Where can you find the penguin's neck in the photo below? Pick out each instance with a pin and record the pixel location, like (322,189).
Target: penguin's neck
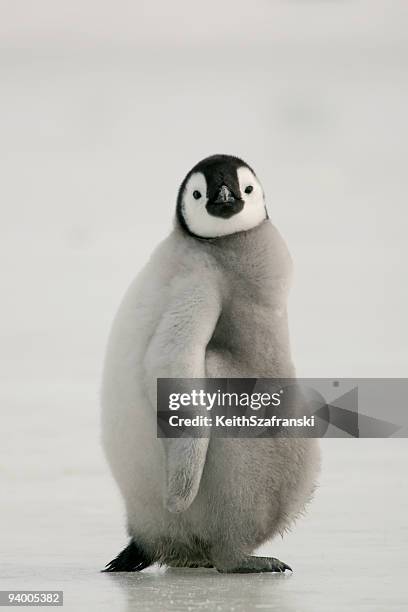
(260,253)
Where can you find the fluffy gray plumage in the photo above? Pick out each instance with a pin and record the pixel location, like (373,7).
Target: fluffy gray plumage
(204,308)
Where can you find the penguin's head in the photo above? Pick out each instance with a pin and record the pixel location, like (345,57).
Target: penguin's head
(221,195)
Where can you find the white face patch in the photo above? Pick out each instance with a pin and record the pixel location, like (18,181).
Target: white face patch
(201,223)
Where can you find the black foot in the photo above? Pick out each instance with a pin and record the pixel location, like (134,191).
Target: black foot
(131,559)
(251,565)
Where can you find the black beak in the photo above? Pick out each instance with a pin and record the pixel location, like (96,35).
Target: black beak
(224,204)
(224,196)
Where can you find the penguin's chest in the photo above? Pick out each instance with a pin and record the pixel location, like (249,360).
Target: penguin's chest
(249,338)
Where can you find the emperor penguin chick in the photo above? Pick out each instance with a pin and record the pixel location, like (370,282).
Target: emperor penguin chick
(211,302)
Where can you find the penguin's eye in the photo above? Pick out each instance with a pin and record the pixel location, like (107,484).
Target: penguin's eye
(249,189)
(196,195)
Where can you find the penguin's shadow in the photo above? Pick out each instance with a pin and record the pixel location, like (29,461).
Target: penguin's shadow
(203,589)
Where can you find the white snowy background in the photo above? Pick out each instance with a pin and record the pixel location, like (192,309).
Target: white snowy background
(104,106)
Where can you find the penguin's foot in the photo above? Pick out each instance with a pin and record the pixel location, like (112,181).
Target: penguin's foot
(252,565)
(131,559)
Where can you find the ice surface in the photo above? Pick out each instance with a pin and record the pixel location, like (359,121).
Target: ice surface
(62,521)
(102,111)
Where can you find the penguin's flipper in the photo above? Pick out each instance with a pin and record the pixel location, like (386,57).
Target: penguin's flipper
(177,350)
(131,559)
(185,458)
